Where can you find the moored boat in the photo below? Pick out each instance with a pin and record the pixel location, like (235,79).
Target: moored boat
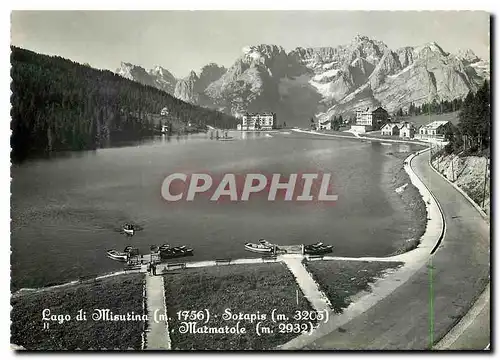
(258,248)
(317,250)
(173,252)
(117,255)
(265,243)
(164,247)
(315,245)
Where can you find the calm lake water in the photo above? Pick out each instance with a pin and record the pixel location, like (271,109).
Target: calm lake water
(66,210)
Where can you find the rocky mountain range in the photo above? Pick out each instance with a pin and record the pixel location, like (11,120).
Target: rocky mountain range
(324,82)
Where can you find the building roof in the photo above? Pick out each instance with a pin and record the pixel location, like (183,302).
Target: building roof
(435,124)
(390,126)
(259,114)
(370,109)
(405,124)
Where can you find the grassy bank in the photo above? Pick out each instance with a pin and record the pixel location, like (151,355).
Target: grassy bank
(251,289)
(412,204)
(120,294)
(341,280)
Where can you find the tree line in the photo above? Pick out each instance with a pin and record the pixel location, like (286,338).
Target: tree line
(434,107)
(337,122)
(58,104)
(472,134)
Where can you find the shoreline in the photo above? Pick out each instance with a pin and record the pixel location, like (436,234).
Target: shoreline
(362,138)
(413,261)
(405,200)
(399,249)
(425,241)
(382,287)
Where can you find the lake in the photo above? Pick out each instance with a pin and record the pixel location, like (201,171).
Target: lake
(66,210)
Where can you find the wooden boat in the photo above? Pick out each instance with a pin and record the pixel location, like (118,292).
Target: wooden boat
(128,229)
(265,243)
(173,252)
(164,247)
(317,250)
(117,255)
(258,248)
(318,244)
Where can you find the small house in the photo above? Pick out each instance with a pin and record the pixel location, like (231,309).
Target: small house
(407,130)
(390,129)
(435,129)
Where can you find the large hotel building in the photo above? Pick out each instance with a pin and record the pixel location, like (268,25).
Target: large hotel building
(256,121)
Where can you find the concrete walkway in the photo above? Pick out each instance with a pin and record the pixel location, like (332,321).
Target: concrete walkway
(307,284)
(158,337)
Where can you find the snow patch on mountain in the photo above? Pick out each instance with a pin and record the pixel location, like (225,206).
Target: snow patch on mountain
(329,65)
(409,67)
(324,81)
(327,74)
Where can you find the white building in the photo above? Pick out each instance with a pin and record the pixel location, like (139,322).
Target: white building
(390,129)
(435,129)
(364,117)
(407,130)
(256,121)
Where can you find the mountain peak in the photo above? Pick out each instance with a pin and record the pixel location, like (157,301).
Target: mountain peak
(260,50)
(127,65)
(192,75)
(161,71)
(326,80)
(467,55)
(360,37)
(159,68)
(432,47)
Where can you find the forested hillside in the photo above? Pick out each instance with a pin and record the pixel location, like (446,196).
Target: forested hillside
(58,104)
(472,135)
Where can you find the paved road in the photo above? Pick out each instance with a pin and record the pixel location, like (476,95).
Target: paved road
(421,311)
(473,329)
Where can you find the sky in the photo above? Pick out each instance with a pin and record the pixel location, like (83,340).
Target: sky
(181,41)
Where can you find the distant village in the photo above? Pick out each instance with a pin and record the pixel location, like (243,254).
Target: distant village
(378,119)
(366,120)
